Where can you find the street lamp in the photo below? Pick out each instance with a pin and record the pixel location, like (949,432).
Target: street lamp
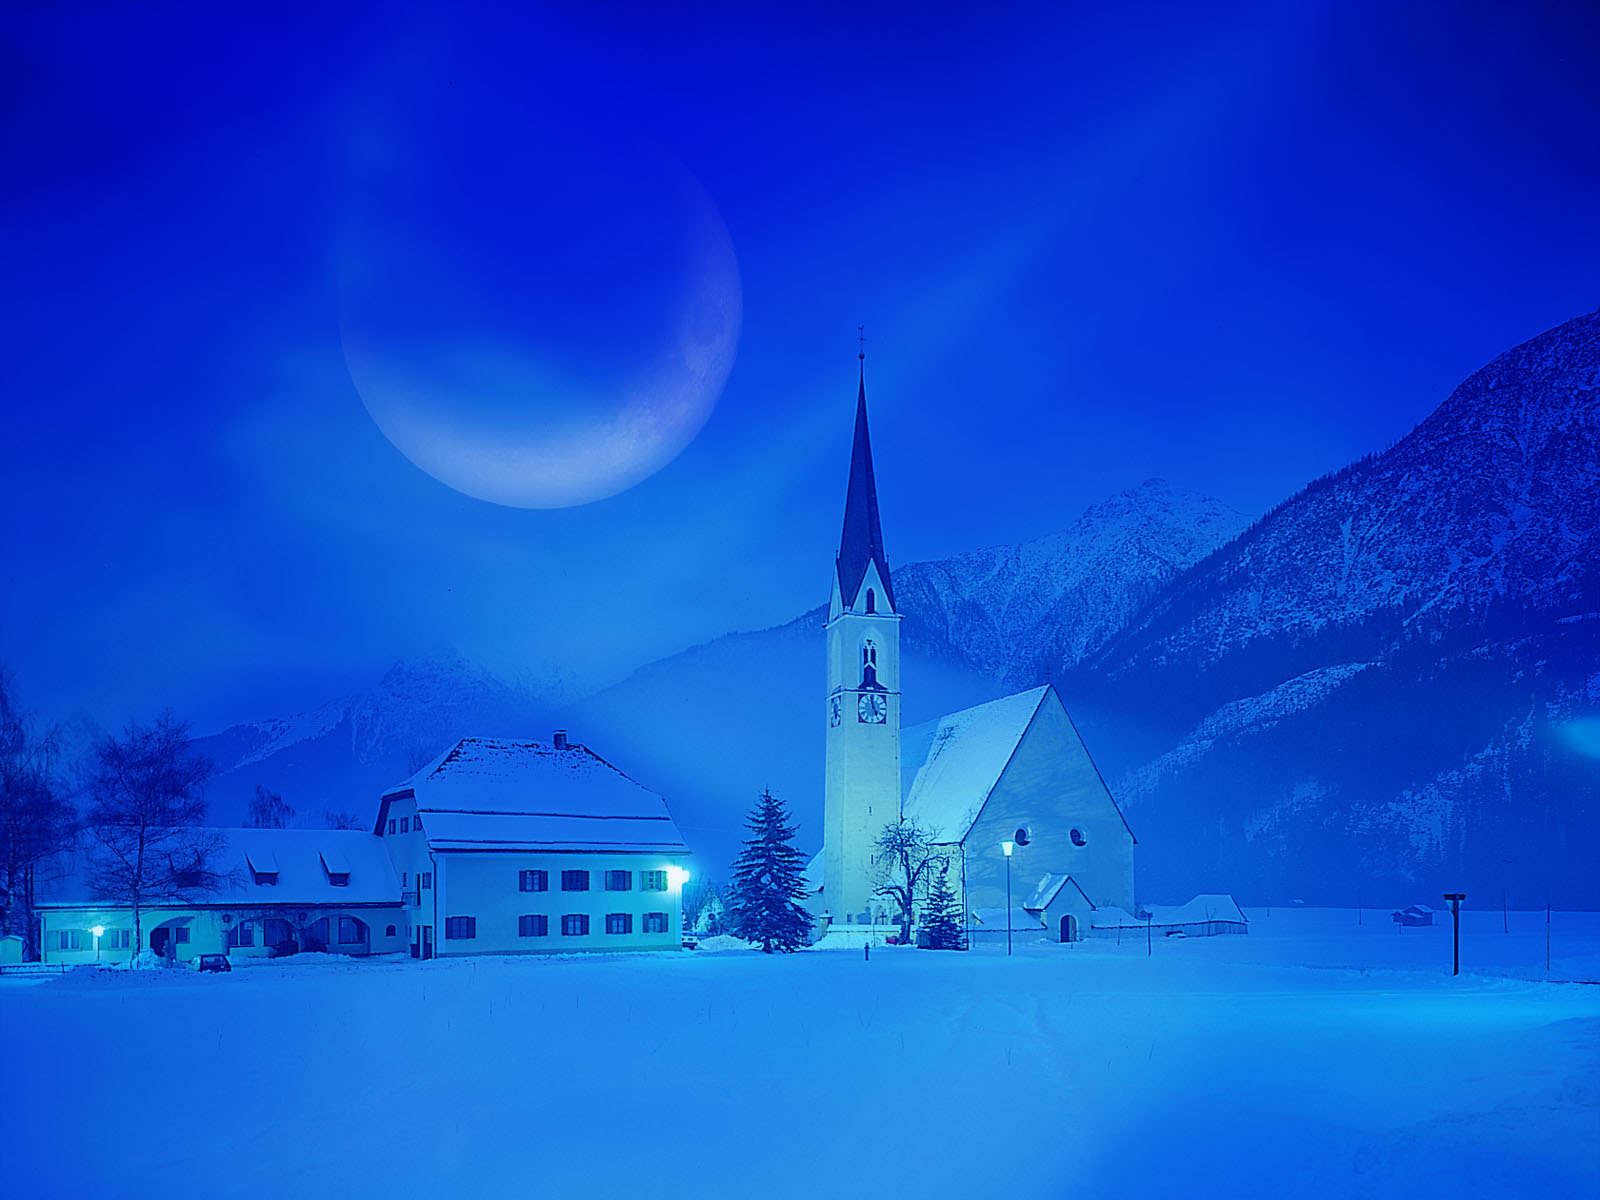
(677,876)
(99,932)
(1006,848)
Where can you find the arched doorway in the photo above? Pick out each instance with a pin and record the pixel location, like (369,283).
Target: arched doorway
(170,938)
(1069,928)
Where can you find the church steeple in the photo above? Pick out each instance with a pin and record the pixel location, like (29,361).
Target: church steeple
(861,542)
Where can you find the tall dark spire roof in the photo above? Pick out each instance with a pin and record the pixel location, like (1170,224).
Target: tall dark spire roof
(861,542)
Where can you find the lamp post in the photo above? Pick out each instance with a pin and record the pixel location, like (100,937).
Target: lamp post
(1006,848)
(99,932)
(1455,899)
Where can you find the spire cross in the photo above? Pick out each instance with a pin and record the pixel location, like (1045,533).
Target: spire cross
(861,342)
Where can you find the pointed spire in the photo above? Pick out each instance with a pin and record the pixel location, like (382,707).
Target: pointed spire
(861,541)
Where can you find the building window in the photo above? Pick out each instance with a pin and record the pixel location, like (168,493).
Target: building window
(69,939)
(872,601)
(619,881)
(655,922)
(533,925)
(242,934)
(405,824)
(456,928)
(1079,838)
(575,925)
(653,881)
(869,664)
(351,931)
(533,881)
(266,878)
(391,824)
(619,922)
(388,931)
(574,881)
(402,880)
(180,935)
(426,880)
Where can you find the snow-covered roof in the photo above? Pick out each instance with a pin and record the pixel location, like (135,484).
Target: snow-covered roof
(1214,906)
(958,759)
(510,794)
(297,857)
(995,918)
(1049,888)
(813,874)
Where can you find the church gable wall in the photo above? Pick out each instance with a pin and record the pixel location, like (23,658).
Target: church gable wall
(1052,788)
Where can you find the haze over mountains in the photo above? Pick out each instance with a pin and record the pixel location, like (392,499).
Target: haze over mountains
(1381,687)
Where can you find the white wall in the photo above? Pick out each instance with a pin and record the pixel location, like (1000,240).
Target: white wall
(484,885)
(208,929)
(1051,788)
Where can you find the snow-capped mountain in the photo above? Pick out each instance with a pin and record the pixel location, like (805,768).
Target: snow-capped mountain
(1012,612)
(339,755)
(1374,683)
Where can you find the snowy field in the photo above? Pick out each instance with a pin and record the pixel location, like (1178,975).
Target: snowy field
(1313,1057)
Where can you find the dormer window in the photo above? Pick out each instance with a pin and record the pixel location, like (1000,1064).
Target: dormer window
(336,867)
(263,867)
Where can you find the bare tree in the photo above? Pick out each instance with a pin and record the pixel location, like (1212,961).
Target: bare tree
(906,859)
(36,823)
(146,811)
(268,811)
(342,819)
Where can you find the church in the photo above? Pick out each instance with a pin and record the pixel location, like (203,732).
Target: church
(1006,790)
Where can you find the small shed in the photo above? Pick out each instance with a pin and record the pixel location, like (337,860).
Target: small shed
(1062,907)
(1417,914)
(11,947)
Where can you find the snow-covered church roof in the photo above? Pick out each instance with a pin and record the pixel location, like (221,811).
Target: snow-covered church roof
(510,794)
(953,763)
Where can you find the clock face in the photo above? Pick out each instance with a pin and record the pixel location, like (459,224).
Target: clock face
(872,708)
(834,707)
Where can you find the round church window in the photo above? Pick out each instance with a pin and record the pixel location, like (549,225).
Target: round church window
(1079,838)
(1022,836)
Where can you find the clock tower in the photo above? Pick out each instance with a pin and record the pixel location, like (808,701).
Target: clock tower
(862,708)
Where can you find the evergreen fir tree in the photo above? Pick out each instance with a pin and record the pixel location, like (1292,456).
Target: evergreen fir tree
(769,881)
(941,922)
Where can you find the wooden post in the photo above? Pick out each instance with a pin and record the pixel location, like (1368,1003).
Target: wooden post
(1455,899)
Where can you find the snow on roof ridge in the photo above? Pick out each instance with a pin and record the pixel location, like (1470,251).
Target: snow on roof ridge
(966,753)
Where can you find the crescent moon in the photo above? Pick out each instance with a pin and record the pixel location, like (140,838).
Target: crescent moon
(575,446)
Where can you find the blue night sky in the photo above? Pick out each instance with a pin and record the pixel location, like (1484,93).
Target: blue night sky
(1090,245)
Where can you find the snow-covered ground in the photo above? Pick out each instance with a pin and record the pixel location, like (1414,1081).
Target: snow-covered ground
(1313,1057)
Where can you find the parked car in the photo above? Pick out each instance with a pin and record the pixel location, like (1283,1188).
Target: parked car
(213,962)
(690,942)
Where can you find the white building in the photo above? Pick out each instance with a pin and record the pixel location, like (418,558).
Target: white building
(506,847)
(312,889)
(1010,771)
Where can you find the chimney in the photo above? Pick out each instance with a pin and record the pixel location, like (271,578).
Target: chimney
(561,739)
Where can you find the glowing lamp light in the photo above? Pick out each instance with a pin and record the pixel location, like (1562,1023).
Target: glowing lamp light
(1007,848)
(677,876)
(98,931)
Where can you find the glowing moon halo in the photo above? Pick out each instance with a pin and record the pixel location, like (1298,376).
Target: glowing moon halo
(512,406)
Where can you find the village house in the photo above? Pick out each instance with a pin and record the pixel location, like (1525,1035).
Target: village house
(278,890)
(506,846)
